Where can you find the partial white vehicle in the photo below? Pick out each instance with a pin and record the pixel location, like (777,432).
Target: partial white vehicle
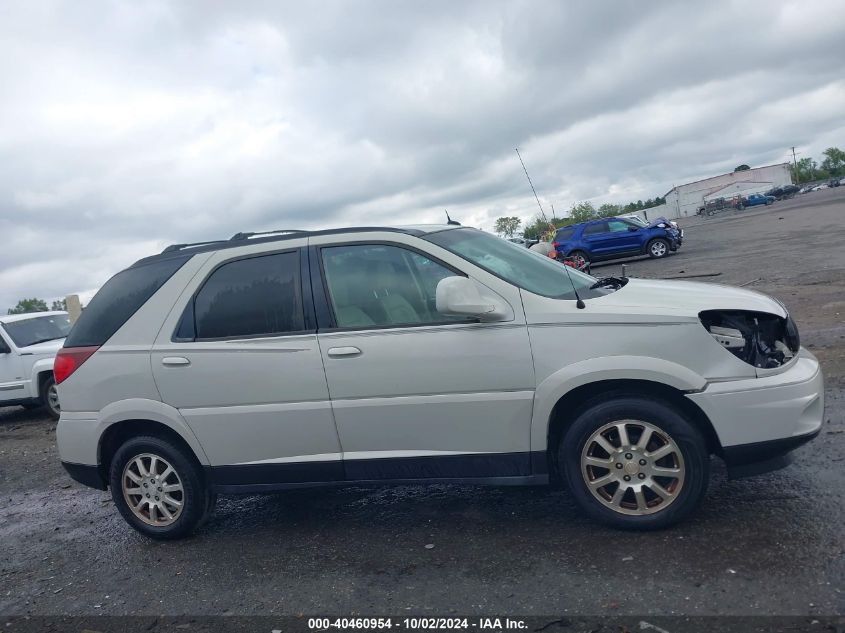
(421,354)
(28,345)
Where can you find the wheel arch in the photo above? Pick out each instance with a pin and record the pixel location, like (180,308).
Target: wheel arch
(118,433)
(570,404)
(129,418)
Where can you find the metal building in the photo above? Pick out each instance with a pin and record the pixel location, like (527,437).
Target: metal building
(687,200)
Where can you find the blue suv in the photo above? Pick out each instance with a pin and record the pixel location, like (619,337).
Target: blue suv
(608,238)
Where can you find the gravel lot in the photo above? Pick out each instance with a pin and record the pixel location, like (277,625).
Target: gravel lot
(772,544)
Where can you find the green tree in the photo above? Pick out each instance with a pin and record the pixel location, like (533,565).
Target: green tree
(582,212)
(803,170)
(742,167)
(608,210)
(59,304)
(834,161)
(29,305)
(507,225)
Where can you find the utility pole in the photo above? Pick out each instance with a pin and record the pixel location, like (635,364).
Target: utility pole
(795,162)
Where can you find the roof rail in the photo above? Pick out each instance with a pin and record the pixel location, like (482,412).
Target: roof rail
(179,247)
(246,236)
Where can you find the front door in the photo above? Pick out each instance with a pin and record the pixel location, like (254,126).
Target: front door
(244,369)
(417,394)
(12,380)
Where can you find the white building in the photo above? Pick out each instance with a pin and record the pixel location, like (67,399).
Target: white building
(686,200)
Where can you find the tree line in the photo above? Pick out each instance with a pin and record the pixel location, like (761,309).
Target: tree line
(807,169)
(25,306)
(509,226)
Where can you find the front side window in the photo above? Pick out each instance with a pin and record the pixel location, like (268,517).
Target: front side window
(378,285)
(38,329)
(250,297)
(618,226)
(519,266)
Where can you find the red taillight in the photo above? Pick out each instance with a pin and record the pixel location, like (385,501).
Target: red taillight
(555,244)
(69,359)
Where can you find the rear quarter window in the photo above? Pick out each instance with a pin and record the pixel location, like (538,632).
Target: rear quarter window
(119,299)
(564,234)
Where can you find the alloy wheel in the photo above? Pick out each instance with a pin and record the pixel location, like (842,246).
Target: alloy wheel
(633,467)
(658,249)
(153,490)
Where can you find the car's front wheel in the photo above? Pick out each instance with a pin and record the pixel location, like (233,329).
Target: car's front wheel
(158,488)
(658,248)
(634,463)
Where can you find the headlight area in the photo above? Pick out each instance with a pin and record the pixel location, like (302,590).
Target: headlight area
(758,338)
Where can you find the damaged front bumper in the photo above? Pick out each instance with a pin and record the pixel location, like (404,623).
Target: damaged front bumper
(760,420)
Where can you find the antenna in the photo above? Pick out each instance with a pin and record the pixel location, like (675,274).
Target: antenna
(579,303)
(450,220)
(542,213)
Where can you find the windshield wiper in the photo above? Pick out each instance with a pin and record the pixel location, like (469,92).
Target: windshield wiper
(616,282)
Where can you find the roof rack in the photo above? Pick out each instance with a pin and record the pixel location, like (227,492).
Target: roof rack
(246,236)
(179,247)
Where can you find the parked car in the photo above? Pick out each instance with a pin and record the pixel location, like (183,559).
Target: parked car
(28,345)
(758,198)
(835,182)
(421,354)
(712,207)
(633,217)
(608,238)
(784,192)
(806,189)
(823,185)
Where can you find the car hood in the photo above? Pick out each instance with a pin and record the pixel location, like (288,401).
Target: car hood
(47,347)
(656,221)
(690,297)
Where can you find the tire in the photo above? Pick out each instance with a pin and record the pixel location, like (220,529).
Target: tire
(195,500)
(581,258)
(657,248)
(668,499)
(50,398)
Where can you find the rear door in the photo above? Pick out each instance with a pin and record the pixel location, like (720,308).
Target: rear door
(597,238)
(242,365)
(417,394)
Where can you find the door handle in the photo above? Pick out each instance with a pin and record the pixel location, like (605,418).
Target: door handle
(175,361)
(337,352)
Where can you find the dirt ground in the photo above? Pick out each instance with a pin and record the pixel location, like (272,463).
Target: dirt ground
(771,544)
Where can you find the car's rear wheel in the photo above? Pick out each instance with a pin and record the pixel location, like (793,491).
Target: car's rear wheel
(159,488)
(579,258)
(658,248)
(634,463)
(50,398)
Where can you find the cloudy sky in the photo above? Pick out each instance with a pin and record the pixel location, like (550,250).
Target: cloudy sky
(126,126)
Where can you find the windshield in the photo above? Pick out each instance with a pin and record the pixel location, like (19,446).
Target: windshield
(38,329)
(516,264)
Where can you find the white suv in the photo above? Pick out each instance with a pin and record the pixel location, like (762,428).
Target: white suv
(420,354)
(28,345)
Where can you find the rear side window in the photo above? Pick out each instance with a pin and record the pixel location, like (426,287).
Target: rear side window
(257,296)
(598,227)
(119,299)
(564,234)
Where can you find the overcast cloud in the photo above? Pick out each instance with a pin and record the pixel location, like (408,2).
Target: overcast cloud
(125,126)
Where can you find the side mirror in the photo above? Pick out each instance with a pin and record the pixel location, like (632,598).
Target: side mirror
(460,296)
(633,229)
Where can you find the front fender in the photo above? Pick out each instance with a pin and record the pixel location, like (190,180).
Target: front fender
(561,382)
